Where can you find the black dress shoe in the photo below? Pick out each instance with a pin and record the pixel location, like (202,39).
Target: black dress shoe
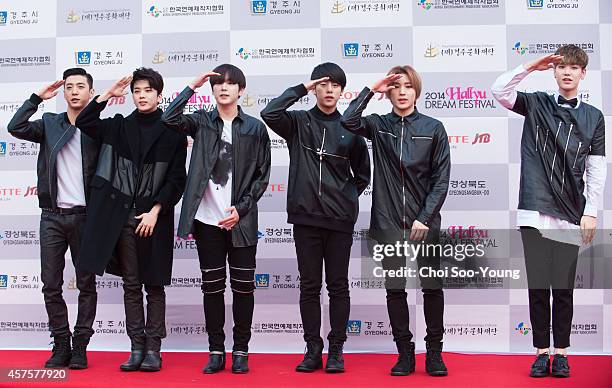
(133,363)
(216,363)
(335,360)
(313,358)
(152,362)
(560,366)
(405,359)
(79,353)
(541,366)
(240,362)
(434,364)
(61,353)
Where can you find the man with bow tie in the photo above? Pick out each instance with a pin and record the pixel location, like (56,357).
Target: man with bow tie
(563,137)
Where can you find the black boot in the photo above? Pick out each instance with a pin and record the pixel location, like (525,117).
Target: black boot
(152,362)
(136,356)
(335,360)
(79,353)
(216,363)
(434,365)
(61,353)
(313,358)
(405,360)
(240,362)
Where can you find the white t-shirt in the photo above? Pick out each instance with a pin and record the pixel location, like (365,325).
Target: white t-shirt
(69,167)
(218,192)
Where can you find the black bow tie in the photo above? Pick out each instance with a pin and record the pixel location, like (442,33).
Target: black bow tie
(562,101)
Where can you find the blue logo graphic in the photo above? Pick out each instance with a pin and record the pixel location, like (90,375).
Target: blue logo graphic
(83,58)
(262,280)
(350,50)
(259,7)
(3,281)
(353,327)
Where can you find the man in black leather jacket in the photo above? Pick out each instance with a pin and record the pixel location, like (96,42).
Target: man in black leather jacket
(411,176)
(228,173)
(329,168)
(66,163)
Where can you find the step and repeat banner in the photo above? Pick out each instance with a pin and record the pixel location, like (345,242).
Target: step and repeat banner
(458,46)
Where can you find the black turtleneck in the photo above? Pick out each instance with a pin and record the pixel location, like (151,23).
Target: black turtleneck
(319,114)
(146,124)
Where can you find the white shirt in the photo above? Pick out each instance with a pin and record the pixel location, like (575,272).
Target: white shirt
(218,192)
(69,167)
(550,227)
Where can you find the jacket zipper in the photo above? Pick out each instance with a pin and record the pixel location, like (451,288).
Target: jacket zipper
(537,135)
(403,188)
(49,166)
(552,168)
(321,160)
(422,137)
(569,134)
(577,152)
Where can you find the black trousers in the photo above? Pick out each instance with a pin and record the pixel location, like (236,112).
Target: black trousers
(550,264)
(397,300)
(143,335)
(57,233)
(314,247)
(214,248)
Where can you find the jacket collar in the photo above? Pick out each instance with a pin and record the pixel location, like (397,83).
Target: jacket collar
(411,117)
(214,114)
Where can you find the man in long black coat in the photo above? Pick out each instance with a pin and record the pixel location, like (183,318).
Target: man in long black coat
(140,177)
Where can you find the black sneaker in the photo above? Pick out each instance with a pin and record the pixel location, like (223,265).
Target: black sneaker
(313,358)
(541,366)
(434,364)
(560,366)
(61,353)
(335,360)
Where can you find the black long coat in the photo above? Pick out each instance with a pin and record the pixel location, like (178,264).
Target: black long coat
(124,180)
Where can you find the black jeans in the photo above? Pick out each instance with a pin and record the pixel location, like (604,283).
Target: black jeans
(315,246)
(550,264)
(397,303)
(214,248)
(143,335)
(57,233)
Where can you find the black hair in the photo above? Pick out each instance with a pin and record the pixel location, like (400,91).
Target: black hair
(230,73)
(331,70)
(78,71)
(156,81)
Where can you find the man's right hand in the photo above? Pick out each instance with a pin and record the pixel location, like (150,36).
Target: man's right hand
(312,84)
(543,63)
(116,90)
(383,85)
(50,90)
(201,80)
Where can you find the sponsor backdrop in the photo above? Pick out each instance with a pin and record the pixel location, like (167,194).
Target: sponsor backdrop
(459,47)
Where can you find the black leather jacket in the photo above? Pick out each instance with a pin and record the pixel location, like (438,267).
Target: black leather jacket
(53,131)
(251,164)
(411,167)
(329,167)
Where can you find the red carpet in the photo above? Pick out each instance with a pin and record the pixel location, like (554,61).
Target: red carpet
(363,370)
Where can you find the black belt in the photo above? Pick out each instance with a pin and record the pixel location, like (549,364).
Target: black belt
(67,211)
